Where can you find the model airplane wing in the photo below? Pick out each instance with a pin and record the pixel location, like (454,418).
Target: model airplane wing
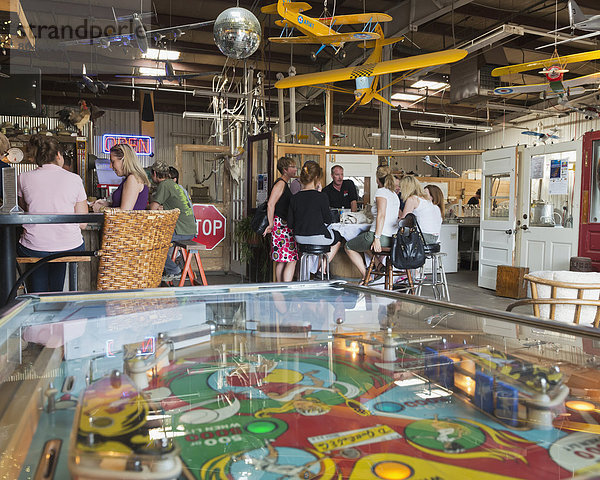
(533,134)
(329,39)
(356,18)
(518,89)
(548,62)
(374,69)
(576,82)
(580,37)
(178,28)
(294,6)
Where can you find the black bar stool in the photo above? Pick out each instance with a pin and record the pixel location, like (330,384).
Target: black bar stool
(307,253)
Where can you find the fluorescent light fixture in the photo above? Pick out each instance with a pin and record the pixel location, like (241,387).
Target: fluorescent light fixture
(409,97)
(415,138)
(430,85)
(225,116)
(151,71)
(451,126)
(156,54)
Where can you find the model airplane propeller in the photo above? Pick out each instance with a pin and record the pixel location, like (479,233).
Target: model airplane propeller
(553,69)
(367,74)
(439,164)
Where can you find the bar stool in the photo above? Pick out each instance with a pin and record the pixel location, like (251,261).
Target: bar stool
(438,274)
(308,252)
(381,265)
(189,249)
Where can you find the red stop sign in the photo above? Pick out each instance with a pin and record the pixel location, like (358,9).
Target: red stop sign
(211,225)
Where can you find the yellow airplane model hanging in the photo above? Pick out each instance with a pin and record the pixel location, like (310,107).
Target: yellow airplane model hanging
(321,30)
(367,74)
(554,70)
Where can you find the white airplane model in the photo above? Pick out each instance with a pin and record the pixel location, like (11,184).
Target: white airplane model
(139,36)
(578,21)
(439,164)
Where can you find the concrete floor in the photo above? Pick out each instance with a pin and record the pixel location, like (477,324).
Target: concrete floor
(462,285)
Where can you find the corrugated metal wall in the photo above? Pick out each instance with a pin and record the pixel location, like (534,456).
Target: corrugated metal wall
(172,129)
(572,127)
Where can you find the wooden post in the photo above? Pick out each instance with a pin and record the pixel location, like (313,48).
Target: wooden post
(328,117)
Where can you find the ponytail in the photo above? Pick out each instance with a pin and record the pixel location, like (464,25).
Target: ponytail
(385,177)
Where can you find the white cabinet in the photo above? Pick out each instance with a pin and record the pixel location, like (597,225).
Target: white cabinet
(449,246)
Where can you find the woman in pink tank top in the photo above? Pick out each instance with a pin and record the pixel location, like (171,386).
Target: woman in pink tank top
(50,189)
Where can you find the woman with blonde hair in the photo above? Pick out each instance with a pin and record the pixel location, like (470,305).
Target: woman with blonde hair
(385,211)
(132,193)
(417,202)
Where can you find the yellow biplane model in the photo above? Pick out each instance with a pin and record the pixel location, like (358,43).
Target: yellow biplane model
(321,30)
(553,69)
(367,74)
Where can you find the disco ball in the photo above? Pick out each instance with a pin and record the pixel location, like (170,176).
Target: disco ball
(237,32)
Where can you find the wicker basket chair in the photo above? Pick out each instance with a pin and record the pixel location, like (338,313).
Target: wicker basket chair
(134,248)
(564,301)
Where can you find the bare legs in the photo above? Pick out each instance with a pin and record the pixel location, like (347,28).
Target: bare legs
(284,271)
(358,261)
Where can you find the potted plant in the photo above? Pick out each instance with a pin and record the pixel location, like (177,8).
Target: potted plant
(254,249)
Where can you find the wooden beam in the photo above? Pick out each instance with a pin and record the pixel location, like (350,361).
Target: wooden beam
(14,6)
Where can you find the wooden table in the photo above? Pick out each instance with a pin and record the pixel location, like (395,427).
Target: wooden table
(9,222)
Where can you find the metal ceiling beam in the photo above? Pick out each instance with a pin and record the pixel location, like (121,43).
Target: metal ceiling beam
(420,12)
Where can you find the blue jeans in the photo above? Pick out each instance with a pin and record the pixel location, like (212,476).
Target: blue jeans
(50,277)
(171,268)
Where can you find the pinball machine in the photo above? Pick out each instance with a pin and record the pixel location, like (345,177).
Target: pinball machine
(317,380)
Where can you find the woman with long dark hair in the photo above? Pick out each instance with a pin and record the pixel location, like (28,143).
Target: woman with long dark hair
(50,189)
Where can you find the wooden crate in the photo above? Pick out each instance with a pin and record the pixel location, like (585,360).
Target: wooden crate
(510,282)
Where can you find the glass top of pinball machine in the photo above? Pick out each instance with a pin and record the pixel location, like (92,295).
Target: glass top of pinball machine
(305,380)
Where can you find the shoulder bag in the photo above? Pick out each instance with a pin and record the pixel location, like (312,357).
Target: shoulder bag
(260,221)
(408,245)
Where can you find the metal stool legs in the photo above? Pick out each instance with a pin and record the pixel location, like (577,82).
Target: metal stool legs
(438,277)
(305,263)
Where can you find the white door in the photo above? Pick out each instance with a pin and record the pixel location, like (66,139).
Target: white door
(549,197)
(498,213)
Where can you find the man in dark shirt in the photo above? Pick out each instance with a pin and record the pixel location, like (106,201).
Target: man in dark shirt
(475,200)
(341,193)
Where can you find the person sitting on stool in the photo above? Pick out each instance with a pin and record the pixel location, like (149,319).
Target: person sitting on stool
(169,196)
(309,216)
(341,193)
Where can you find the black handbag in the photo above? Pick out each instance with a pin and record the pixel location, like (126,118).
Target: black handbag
(260,221)
(408,245)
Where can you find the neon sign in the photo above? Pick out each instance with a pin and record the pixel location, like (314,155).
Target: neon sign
(142,144)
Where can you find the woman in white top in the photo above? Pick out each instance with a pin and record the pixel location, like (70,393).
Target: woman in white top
(385,225)
(417,202)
